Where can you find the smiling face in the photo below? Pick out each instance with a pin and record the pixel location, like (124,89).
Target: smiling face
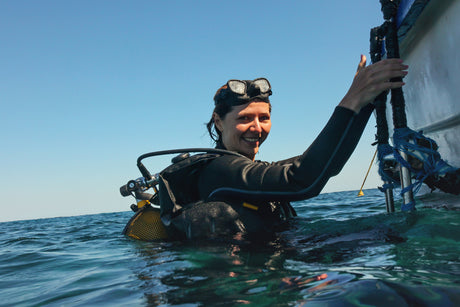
(245,127)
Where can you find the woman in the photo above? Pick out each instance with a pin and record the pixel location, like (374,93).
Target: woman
(213,195)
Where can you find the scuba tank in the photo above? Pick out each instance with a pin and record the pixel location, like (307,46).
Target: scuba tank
(146,224)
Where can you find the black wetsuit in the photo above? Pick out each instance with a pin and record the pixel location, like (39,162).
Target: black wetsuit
(226,213)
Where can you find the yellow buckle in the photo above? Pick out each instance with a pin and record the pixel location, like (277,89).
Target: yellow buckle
(249,206)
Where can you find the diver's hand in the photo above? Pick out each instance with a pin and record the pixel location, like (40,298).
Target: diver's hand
(370,81)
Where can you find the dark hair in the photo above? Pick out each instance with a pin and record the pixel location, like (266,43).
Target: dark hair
(222,109)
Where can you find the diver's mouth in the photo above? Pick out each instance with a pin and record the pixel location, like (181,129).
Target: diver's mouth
(252,140)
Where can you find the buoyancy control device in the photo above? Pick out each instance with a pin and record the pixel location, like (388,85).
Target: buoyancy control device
(171,220)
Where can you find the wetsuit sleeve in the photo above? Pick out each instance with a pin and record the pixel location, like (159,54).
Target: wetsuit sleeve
(323,159)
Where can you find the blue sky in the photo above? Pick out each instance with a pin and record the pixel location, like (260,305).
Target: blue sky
(88,86)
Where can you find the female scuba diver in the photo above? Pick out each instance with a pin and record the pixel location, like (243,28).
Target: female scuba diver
(230,193)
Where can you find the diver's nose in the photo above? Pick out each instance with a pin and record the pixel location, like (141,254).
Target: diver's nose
(256,126)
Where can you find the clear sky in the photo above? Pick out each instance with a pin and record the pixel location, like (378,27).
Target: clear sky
(88,86)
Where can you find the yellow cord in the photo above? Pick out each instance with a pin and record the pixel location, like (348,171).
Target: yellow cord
(360,193)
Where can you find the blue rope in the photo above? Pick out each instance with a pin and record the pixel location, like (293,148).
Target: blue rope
(408,207)
(408,141)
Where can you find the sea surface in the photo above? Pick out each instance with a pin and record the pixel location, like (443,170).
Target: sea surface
(365,257)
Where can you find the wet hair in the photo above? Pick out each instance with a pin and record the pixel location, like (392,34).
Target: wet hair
(222,109)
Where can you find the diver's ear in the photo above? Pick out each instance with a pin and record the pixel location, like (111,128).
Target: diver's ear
(217,121)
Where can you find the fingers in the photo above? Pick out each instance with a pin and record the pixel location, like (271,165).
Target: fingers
(381,73)
(362,64)
(389,66)
(388,76)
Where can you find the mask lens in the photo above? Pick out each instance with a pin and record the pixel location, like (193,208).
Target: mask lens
(262,84)
(237,86)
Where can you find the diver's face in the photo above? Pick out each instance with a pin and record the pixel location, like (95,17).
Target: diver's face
(245,127)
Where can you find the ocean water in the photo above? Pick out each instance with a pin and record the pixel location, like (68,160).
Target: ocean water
(371,258)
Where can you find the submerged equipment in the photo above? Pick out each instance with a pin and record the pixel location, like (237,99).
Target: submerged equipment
(238,92)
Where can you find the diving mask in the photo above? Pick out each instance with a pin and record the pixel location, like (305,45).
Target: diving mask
(238,92)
